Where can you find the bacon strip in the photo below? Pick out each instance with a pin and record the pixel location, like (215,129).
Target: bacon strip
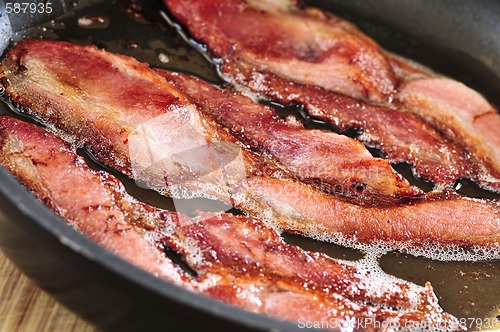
(95,96)
(237,259)
(448,219)
(85,198)
(184,149)
(302,45)
(458,111)
(402,137)
(281,52)
(311,155)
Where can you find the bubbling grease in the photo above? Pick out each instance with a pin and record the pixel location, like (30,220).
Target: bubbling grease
(435,251)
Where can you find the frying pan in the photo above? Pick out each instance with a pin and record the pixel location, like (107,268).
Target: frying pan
(458,38)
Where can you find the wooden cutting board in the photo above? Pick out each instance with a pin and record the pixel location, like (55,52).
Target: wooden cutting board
(25,308)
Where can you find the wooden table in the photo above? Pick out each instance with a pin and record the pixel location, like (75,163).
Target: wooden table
(24,307)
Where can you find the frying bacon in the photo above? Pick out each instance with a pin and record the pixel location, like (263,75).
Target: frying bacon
(311,155)
(402,137)
(297,48)
(448,219)
(185,149)
(459,112)
(85,198)
(306,45)
(420,223)
(238,260)
(95,96)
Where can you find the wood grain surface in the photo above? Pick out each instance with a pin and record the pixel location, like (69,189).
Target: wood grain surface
(24,307)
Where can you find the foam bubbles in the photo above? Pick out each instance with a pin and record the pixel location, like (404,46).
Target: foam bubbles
(435,251)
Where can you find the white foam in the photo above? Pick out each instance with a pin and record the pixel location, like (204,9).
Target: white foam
(435,251)
(210,280)
(487,180)
(378,282)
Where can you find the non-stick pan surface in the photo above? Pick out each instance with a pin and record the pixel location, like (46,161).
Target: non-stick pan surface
(114,295)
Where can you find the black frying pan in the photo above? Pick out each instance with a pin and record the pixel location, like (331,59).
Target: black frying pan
(458,38)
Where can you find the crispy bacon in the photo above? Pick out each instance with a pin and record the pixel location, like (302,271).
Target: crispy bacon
(301,44)
(460,113)
(96,96)
(236,259)
(182,147)
(311,155)
(296,48)
(85,198)
(270,275)
(448,219)
(402,137)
